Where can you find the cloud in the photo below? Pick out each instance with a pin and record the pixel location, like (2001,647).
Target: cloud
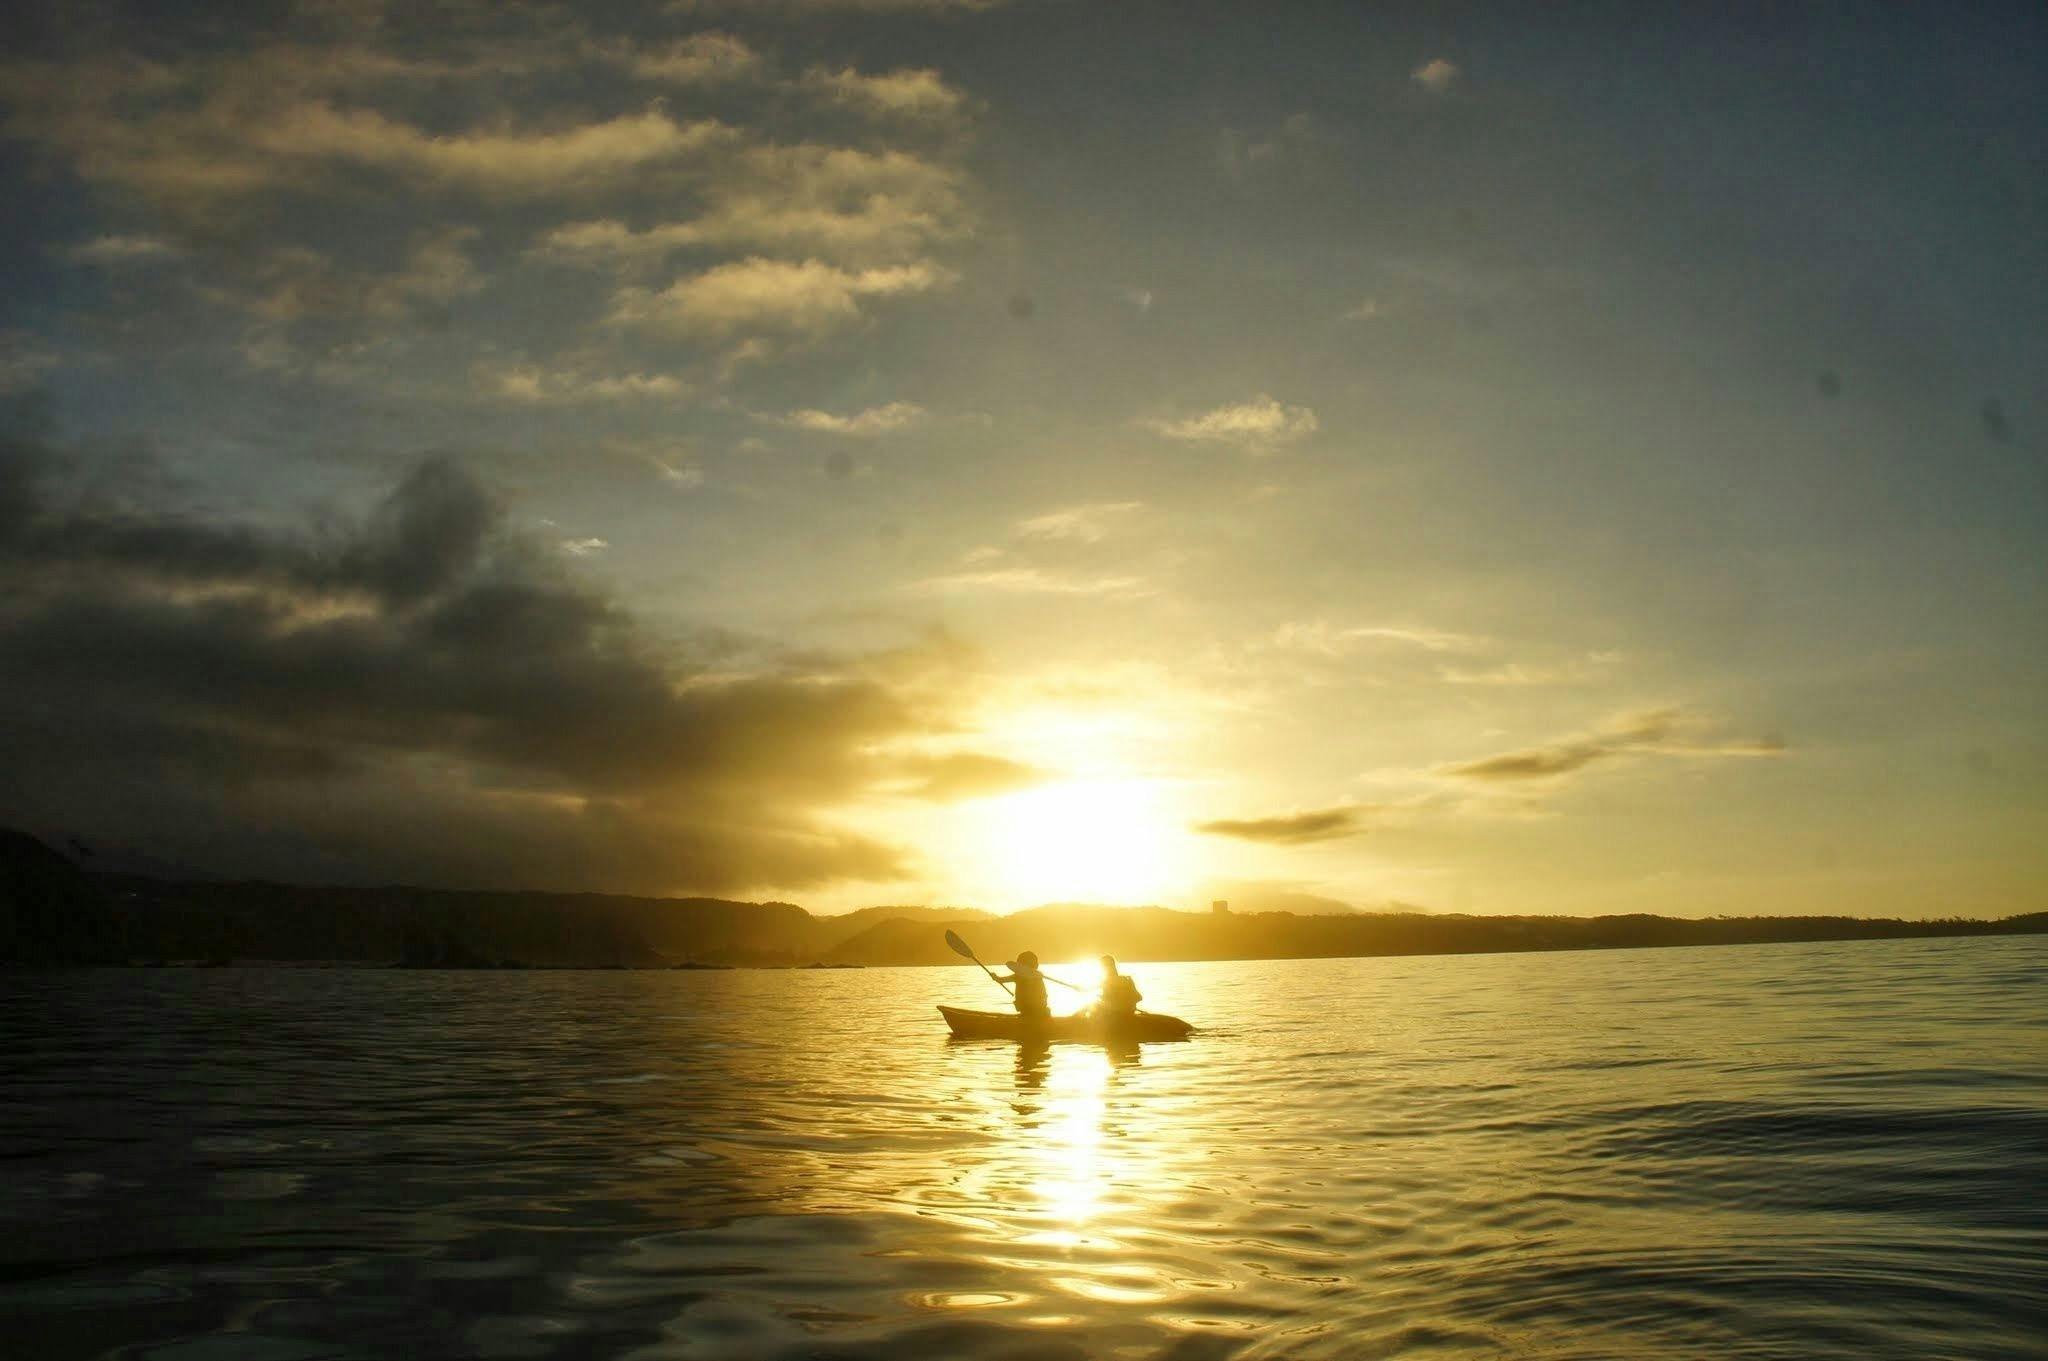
(967,775)
(418,696)
(916,94)
(583,548)
(1518,674)
(1435,75)
(799,202)
(849,206)
(876,420)
(1319,638)
(1291,829)
(1325,639)
(809,298)
(437,270)
(1037,581)
(25,361)
(505,162)
(1369,310)
(189,136)
(291,284)
(534,384)
(190,131)
(122,250)
(423,536)
(1666,732)
(1259,426)
(605,240)
(1537,763)
(1298,140)
(1087,523)
(700,59)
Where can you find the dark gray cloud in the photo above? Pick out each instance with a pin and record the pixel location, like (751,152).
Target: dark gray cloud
(430,530)
(423,696)
(1290,829)
(427,533)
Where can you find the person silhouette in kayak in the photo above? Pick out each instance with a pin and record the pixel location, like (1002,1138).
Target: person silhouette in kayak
(1120,996)
(1030,990)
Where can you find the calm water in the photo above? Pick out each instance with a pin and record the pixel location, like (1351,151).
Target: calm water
(1798,1151)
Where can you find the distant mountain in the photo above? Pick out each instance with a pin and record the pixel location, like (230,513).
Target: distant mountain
(52,913)
(102,858)
(1156,933)
(829,932)
(897,941)
(1057,931)
(1254,897)
(170,920)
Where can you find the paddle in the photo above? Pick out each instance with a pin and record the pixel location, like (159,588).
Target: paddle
(959,947)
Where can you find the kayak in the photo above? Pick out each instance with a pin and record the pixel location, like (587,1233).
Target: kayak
(1081,1027)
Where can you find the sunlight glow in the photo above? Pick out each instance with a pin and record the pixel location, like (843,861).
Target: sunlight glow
(1107,841)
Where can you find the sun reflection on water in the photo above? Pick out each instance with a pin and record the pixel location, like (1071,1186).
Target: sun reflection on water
(1058,1164)
(1072,1166)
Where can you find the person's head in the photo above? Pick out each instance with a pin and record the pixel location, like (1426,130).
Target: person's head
(1108,967)
(1026,963)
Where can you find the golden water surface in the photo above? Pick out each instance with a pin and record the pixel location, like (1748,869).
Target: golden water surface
(1815,1150)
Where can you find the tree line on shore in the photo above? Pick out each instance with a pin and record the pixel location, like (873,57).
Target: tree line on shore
(53,913)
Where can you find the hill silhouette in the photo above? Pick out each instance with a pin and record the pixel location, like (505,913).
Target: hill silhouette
(830,933)
(53,913)
(1155,933)
(50,912)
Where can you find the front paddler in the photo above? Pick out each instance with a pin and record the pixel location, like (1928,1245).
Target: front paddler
(1029,992)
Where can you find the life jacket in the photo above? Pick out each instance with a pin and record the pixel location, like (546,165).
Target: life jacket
(1120,994)
(1031,996)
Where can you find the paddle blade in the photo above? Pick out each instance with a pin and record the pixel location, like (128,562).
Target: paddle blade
(959,946)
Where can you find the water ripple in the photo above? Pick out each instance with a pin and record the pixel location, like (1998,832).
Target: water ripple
(1742,1152)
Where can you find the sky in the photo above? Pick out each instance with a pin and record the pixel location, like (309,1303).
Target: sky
(1475,458)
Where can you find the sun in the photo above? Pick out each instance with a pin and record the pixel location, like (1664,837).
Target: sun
(1098,841)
